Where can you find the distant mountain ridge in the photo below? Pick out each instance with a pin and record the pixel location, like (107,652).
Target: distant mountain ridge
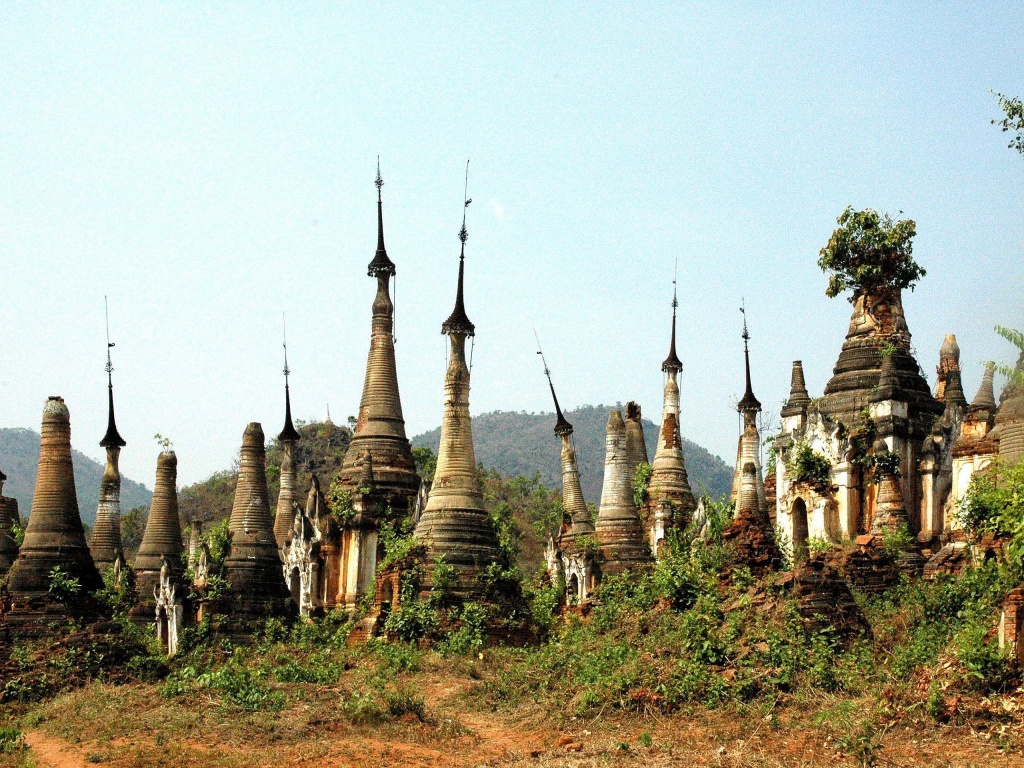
(19,460)
(524,443)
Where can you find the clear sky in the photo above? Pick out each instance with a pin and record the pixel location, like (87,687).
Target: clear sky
(210,166)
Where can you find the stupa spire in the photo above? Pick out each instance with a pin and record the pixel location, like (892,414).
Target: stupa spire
(573,503)
(111,438)
(669,487)
(458,321)
(749,402)
(381,264)
(749,448)
(454,523)
(562,425)
(672,362)
(105,543)
(380,425)
(288,438)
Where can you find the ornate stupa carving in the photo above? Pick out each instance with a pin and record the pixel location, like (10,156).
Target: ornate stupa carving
(380,426)
(253,564)
(287,496)
(748,451)
(454,523)
(162,545)
(878,329)
(570,552)
(620,533)
(9,518)
(54,535)
(636,448)
(105,543)
(671,498)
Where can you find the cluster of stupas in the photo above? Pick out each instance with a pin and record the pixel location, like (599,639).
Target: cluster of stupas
(299,559)
(895,455)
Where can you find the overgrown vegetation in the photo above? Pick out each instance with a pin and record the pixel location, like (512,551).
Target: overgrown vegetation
(870,253)
(806,466)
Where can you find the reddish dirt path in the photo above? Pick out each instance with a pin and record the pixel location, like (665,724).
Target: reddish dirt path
(54,753)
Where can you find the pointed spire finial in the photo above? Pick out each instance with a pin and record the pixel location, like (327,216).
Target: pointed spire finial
(458,321)
(381,264)
(562,425)
(112,439)
(463,234)
(289,432)
(749,402)
(672,362)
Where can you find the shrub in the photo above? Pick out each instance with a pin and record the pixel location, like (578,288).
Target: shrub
(806,466)
(63,586)
(641,480)
(11,740)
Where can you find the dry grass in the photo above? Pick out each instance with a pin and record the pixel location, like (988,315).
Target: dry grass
(132,725)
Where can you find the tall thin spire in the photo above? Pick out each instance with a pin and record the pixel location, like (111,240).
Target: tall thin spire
(289,432)
(749,402)
(381,264)
(458,321)
(454,523)
(562,425)
(672,362)
(289,436)
(112,438)
(380,425)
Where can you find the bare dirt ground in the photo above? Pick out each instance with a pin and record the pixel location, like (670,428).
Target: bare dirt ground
(128,726)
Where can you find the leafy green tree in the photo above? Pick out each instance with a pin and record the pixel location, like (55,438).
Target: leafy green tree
(870,253)
(1013,122)
(1015,337)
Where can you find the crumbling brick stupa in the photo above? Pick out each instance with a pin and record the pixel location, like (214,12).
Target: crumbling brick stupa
(9,518)
(252,567)
(54,539)
(622,543)
(572,551)
(158,565)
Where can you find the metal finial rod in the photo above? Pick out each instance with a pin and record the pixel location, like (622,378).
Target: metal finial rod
(284,343)
(378,181)
(746,333)
(106,315)
(463,234)
(541,353)
(675,279)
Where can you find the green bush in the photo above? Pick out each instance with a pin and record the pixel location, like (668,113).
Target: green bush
(63,586)
(806,466)
(11,740)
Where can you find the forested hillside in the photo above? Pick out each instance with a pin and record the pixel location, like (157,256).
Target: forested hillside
(19,460)
(523,443)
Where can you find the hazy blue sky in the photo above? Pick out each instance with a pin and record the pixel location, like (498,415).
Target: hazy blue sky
(210,167)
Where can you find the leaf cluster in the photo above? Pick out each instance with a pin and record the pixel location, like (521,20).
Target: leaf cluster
(870,253)
(1013,122)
